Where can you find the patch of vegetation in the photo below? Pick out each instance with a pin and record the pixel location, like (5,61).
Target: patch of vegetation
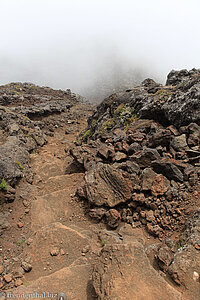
(85,135)
(161,96)
(94,123)
(20,166)
(119,110)
(103,243)
(33,151)
(125,115)
(179,245)
(109,124)
(3,185)
(20,242)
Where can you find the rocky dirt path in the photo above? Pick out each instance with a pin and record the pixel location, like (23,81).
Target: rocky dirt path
(54,247)
(60,238)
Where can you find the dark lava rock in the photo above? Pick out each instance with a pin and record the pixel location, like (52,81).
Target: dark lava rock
(167,168)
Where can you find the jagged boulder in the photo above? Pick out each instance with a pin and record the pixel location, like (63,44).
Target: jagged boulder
(106,185)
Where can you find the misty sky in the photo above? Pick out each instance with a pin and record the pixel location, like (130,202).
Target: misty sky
(71,43)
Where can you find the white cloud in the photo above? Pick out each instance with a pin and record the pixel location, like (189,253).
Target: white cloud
(69,43)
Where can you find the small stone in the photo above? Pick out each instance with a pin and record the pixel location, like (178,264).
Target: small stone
(196,276)
(29,241)
(18,282)
(197,246)
(26,266)
(20,224)
(1,269)
(18,272)
(25,203)
(54,252)
(7,278)
(86,249)
(62,252)
(113,218)
(150,216)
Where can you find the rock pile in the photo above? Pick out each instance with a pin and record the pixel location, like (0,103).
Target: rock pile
(141,163)
(141,156)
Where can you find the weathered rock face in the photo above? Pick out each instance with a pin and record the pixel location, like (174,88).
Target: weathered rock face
(105,185)
(124,272)
(186,261)
(22,130)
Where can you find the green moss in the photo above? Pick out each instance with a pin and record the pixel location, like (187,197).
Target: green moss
(3,185)
(20,166)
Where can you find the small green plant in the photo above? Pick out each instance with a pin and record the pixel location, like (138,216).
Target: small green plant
(103,242)
(109,124)
(182,84)
(179,245)
(125,115)
(3,185)
(161,96)
(94,123)
(20,242)
(118,111)
(20,166)
(85,135)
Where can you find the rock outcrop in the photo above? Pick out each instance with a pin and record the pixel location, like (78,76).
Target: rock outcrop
(141,156)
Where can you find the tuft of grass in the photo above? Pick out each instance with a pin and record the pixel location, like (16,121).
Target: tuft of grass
(109,124)
(3,185)
(85,135)
(161,96)
(20,166)
(125,115)
(119,110)
(94,123)
(20,242)
(103,242)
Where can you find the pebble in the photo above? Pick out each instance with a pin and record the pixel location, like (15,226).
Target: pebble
(20,224)
(7,278)
(26,266)
(18,282)
(195,276)
(1,269)
(29,241)
(62,252)
(54,252)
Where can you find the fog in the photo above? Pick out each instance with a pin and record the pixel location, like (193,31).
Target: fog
(91,46)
